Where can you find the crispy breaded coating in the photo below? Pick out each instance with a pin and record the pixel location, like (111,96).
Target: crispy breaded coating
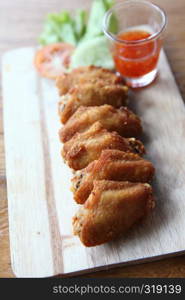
(111,210)
(90,95)
(112,165)
(89,86)
(83,75)
(122,120)
(85,147)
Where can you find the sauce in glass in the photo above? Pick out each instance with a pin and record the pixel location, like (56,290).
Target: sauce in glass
(136,60)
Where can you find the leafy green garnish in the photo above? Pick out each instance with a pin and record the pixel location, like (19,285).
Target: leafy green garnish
(63,28)
(80,24)
(94,26)
(79,30)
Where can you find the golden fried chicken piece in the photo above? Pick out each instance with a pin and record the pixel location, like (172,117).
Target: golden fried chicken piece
(111,165)
(85,147)
(83,75)
(89,86)
(122,120)
(89,95)
(111,210)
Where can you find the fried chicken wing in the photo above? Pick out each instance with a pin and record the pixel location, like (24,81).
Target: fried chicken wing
(83,75)
(122,120)
(112,165)
(89,95)
(85,147)
(111,210)
(89,86)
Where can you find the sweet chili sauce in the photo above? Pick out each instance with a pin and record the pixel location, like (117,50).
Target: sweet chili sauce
(135,60)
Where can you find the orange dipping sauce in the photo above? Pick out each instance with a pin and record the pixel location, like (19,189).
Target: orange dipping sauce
(136,60)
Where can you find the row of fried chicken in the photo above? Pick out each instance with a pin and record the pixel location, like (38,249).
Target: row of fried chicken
(111,178)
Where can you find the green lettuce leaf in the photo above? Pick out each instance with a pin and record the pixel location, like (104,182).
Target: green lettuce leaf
(94,25)
(83,32)
(62,28)
(80,21)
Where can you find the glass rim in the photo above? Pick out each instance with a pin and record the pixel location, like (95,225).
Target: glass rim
(151,37)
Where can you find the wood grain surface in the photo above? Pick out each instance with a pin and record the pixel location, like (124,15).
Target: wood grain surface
(20,25)
(40,203)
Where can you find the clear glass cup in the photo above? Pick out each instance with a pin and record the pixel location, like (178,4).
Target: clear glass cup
(135,29)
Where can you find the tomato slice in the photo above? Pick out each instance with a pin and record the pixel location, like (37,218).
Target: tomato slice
(54,59)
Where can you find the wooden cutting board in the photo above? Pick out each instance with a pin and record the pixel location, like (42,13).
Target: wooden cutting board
(40,202)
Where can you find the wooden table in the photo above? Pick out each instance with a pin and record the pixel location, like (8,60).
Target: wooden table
(20,25)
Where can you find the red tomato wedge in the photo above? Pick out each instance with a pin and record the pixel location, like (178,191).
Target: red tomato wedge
(53,60)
